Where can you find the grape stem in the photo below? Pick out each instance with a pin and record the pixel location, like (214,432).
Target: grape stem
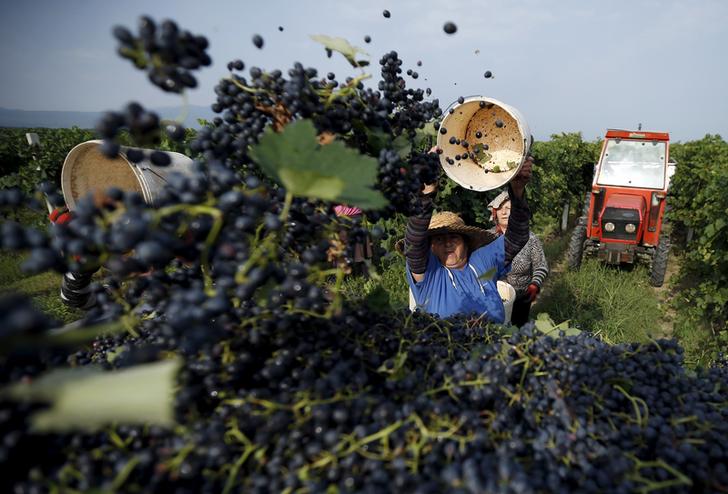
(209,240)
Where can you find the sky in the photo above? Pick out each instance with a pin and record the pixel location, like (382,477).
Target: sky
(567,65)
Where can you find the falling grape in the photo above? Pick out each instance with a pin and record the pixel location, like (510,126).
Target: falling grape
(450,28)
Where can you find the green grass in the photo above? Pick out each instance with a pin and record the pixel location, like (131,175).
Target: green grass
(43,288)
(554,247)
(385,288)
(10,271)
(700,345)
(616,304)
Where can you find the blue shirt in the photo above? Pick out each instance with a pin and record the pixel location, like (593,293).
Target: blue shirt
(447,292)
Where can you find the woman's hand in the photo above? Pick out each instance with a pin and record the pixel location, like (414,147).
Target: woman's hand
(518,184)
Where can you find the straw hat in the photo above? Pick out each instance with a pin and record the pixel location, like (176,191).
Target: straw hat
(448,222)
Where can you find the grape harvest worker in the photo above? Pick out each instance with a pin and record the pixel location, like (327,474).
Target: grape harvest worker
(448,261)
(529,268)
(362,250)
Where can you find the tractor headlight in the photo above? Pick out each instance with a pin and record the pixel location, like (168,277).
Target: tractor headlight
(630,228)
(609,226)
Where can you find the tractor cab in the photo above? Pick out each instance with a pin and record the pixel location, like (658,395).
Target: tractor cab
(626,204)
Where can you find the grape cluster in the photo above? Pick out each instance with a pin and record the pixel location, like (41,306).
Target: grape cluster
(168,54)
(413,111)
(349,109)
(145,129)
(401,181)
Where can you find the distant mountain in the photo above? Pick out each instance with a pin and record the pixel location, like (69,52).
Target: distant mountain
(87,120)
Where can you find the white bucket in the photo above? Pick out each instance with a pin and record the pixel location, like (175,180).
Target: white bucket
(508,144)
(508,296)
(87,170)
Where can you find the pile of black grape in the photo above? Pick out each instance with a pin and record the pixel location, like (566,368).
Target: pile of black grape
(365,402)
(285,386)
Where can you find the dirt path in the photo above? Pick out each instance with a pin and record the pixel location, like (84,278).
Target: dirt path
(557,266)
(664,295)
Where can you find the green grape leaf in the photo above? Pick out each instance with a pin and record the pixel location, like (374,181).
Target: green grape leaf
(90,398)
(342,46)
(425,137)
(546,325)
(481,155)
(488,275)
(333,172)
(70,335)
(403,146)
(376,139)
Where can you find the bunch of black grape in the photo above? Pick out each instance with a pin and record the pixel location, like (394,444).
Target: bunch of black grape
(145,128)
(168,54)
(268,99)
(373,402)
(413,111)
(349,110)
(401,181)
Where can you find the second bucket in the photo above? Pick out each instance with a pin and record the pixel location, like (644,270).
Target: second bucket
(87,170)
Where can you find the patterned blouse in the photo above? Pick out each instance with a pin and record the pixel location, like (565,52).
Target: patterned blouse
(529,265)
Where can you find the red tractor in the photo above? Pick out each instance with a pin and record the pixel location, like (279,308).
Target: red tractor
(625,208)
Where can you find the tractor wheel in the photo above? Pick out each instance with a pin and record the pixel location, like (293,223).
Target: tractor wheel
(576,245)
(659,261)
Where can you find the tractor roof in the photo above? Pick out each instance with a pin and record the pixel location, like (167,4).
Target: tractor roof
(637,134)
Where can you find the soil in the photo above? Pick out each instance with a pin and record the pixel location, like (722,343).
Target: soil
(664,294)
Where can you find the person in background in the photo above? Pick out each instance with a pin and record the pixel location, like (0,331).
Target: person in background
(449,270)
(529,268)
(75,286)
(362,250)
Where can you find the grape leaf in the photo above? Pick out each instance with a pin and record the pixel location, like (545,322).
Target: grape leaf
(546,325)
(72,334)
(333,172)
(425,137)
(488,275)
(376,139)
(403,146)
(90,398)
(342,46)
(481,156)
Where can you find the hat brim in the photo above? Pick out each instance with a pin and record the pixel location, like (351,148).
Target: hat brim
(475,237)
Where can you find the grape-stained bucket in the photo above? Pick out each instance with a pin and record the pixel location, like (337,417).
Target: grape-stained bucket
(87,170)
(498,141)
(508,297)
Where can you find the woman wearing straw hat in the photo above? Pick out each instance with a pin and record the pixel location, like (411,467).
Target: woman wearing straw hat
(450,269)
(529,268)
